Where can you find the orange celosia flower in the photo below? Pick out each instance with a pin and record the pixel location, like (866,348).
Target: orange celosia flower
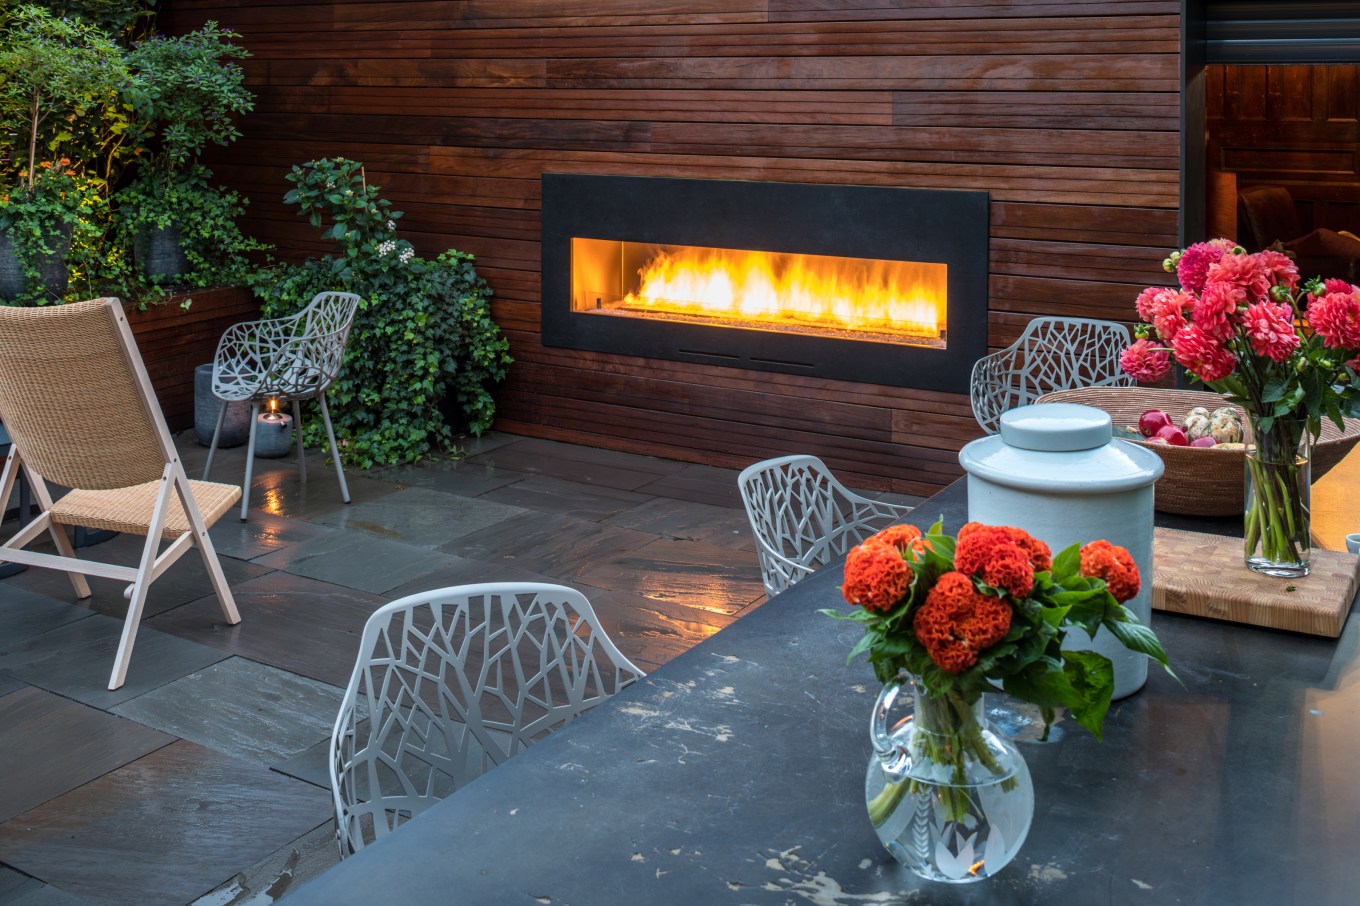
(876,576)
(992,552)
(903,537)
(1040,556)
(957,622)
(1103,560)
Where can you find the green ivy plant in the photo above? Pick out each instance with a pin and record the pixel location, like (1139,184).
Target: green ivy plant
(423,330)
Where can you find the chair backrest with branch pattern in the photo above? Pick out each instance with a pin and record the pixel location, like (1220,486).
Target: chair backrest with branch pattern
(452,682)
(1051,354)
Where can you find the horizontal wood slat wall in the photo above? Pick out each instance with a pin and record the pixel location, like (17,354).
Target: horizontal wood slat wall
(1066,111)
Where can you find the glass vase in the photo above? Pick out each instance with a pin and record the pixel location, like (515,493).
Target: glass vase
(950,799)
(1275,528)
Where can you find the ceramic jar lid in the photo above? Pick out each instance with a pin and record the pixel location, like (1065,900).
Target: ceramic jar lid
(1060,448)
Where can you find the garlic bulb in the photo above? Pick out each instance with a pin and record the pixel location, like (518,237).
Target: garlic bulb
(1224,426)
(1197,426)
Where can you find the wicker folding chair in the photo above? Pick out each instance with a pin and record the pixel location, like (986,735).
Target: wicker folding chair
(1051,354)
(450,683)
(81,413)
(286,360)
(803,518)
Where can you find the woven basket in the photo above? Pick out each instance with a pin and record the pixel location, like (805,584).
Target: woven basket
(1199,481)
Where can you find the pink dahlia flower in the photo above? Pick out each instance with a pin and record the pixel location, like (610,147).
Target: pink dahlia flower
(1270,327)
(1336,318)
(1247,271)
(1281,267)
(1144,362)
(1169,311)
(1215,310)
(1204,355)
(1336,285)
(1193,268)
(1147,300)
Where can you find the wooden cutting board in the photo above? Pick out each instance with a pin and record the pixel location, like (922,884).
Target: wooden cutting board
(1203,575)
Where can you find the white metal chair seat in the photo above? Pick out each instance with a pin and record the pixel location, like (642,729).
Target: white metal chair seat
(451,682)
(803,517)
(1050,354)
(289,360)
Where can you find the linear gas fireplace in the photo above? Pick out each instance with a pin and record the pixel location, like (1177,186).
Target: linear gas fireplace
(862,283)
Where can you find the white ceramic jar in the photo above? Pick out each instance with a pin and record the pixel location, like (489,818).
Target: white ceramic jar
(1056,472)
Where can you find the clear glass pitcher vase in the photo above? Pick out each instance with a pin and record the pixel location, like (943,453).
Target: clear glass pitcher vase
(950,799)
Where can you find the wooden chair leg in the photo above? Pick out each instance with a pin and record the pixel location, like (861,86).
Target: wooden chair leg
(58,533)
(335,451)
(203,542)
(250,462)
(217,433)
(142,584)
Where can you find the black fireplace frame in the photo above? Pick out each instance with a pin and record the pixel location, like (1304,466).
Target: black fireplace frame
(930,225)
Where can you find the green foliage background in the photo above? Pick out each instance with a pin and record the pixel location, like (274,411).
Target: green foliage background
(423,330)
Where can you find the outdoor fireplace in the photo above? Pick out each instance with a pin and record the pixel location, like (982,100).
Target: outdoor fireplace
(872,284)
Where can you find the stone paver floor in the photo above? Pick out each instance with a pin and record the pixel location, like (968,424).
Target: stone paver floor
(204,779)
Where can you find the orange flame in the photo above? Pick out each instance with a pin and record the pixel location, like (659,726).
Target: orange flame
(807,290)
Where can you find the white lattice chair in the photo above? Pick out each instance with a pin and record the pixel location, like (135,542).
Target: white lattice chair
(285,359)
(803,518)
(450,683)
(1051,354)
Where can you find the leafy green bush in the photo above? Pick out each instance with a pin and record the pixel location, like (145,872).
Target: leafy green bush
(423,330)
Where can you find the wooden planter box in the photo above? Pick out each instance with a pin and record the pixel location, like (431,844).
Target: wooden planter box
(173,342)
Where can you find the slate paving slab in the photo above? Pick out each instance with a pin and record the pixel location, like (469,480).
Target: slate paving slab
(261,534)
(75,660)
(419,516)
(689,521)
(357,560)
(9,684)
(50,745)
(698,483)
(312,764)
(651,632)
(570,498)
(241,708)
(470,572)
(153,831)
(24,613)
(283,493)
(548,543)
(452,476)
(301,625)
(694,573)
(584,465)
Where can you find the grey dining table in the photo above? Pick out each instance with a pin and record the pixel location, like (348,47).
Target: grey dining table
(735,774)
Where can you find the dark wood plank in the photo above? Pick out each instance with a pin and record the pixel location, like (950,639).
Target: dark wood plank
(163,829)
(50,745)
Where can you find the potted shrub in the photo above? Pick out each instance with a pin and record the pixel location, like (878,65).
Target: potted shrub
(53,71)
(185,93)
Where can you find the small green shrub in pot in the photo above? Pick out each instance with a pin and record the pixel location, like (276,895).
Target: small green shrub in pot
(54,72)
(423,330)
(185,93)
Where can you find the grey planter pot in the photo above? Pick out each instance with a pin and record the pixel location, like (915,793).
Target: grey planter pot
(160,253)
(52,268)
(236,427)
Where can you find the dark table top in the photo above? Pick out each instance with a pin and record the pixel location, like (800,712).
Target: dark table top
(735,774)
